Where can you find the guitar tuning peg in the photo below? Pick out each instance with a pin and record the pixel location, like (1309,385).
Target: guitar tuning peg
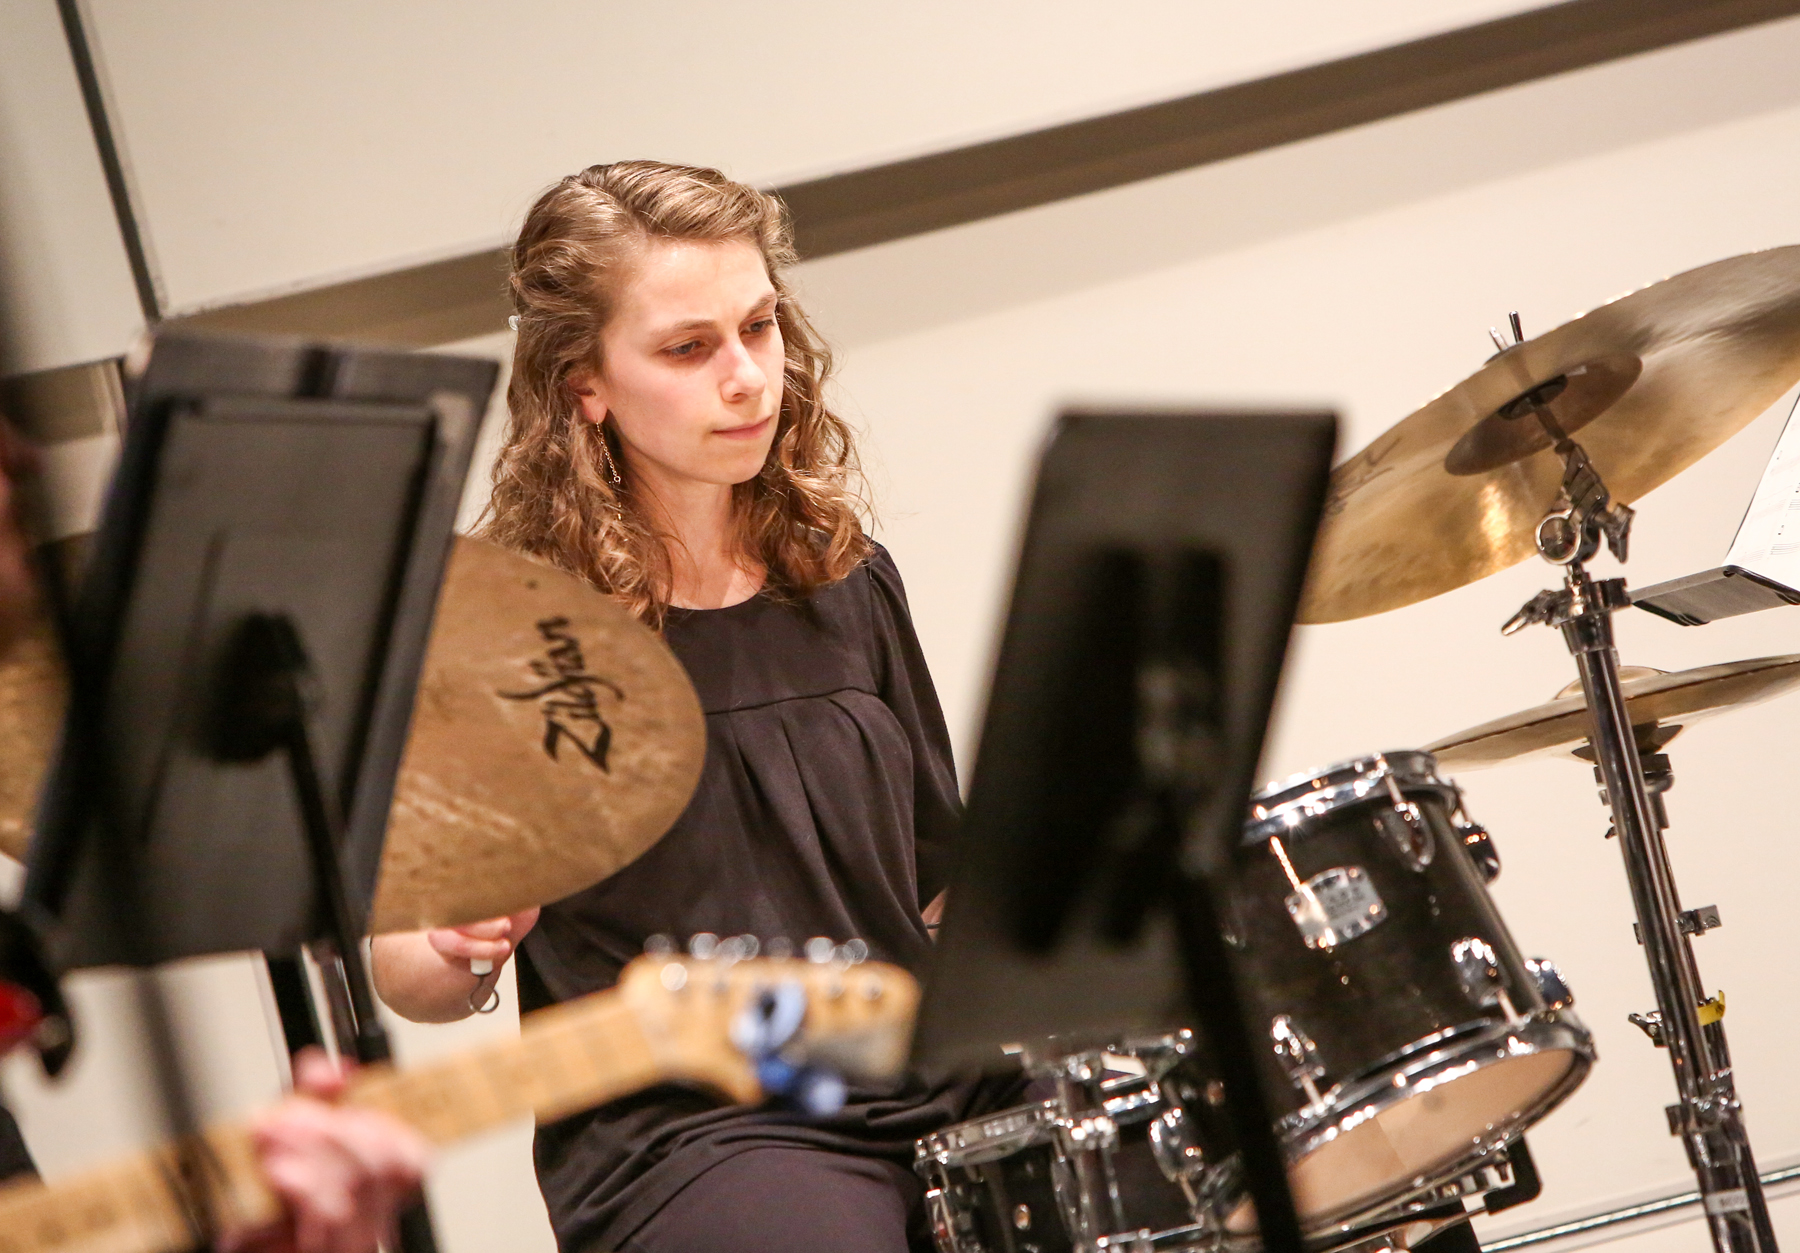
(780,948)
(659,946)
(737,948)
(820,950)
(815,1089)
(853,952)
(704,946)
(820,1092)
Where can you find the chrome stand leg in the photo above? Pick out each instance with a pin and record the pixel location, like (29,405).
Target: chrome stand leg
(1660,777)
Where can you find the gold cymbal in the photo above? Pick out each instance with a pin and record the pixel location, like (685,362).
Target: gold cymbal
(1651,383)
(1652,698)
(554,739)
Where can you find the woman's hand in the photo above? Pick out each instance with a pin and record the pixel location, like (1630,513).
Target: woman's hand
(426,975)
(343,1175)
(491,941)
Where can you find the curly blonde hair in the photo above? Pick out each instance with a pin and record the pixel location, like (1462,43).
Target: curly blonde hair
(800,516)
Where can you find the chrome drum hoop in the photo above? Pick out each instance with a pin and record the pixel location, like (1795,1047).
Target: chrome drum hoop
(990,1138)
(1355,1102)
(1284,807)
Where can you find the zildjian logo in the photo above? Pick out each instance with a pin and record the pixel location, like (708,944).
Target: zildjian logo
(569,697)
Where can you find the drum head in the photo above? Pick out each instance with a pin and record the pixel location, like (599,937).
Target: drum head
(1410,1141)
(1417,1126)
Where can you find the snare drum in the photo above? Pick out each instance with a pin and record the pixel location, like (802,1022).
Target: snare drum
(1406,1035)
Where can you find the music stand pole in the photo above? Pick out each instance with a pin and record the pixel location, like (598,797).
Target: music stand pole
(264,709)
(1179,733)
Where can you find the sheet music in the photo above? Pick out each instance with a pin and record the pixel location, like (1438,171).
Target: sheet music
(1768,539)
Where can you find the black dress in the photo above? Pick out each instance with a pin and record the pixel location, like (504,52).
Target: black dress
(824,808)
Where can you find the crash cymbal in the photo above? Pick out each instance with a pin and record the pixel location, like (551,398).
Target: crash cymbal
(1647,384)
(1668,702)
(554,739)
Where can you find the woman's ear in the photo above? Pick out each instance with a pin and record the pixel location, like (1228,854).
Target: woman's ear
(588,397)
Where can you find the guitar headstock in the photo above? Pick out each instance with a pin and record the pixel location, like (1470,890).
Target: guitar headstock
(746,1024)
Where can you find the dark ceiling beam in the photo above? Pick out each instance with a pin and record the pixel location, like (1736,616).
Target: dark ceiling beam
(944,189)
(464,296)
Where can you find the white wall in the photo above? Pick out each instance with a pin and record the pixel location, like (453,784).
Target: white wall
(65,286)
(285,143)
(1362,271)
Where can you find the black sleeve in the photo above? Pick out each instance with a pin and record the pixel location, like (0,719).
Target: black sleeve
(15,1158)
(906,688)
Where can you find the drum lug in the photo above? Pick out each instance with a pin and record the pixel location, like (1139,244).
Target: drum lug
(1550,982)
(1476,840)
(1478,968)
(951,1229)
(1091,1133)
(1480,846)
(1172,1143)
(1404,825)
(1299,1057)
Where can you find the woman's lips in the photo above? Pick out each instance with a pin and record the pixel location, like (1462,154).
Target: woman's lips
(746,432)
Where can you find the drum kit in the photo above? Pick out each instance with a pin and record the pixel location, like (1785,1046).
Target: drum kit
(1410,1043)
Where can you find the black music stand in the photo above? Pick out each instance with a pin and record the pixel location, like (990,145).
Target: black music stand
(244,652)
(1162,567)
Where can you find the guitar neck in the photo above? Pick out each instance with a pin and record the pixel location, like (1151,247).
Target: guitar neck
(137,1205)
(670,1018)
(567,1058)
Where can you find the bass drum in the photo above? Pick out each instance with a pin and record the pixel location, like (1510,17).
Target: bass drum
(1407,1038)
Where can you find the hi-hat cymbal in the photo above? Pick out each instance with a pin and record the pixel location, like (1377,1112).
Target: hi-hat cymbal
(1652,698)
(1649,384)
(554,739)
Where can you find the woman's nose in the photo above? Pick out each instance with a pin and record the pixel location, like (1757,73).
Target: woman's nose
(743,376)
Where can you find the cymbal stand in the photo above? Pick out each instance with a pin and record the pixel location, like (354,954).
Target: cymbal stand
(1706,1115)
(1659,777)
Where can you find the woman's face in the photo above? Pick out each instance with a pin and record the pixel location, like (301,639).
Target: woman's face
(691,365)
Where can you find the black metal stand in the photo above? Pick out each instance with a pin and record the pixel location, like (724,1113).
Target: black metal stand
(262,709)
(1179,732)
(1149,619)
(1707,1115)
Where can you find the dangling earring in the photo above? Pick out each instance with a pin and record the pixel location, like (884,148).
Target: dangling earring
(612,469)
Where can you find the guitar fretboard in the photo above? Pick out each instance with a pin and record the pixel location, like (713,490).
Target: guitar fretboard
(568,1058)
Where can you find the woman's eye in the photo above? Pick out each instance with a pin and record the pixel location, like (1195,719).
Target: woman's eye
(684,350)
(762,326)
